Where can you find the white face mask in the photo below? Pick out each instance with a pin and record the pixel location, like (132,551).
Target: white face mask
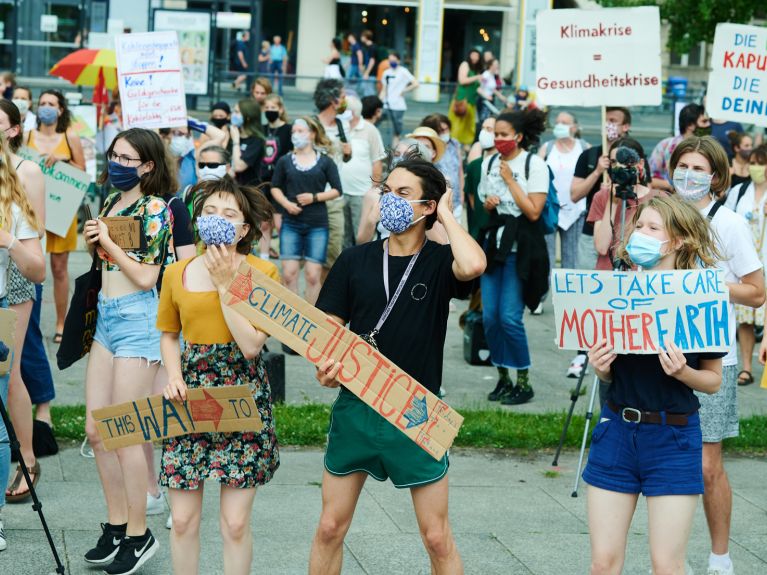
(486,139)
(22,105)
(212,173)
(445,137)
(180,146)
(561,131)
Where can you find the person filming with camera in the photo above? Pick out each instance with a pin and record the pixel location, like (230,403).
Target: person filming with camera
(627,188)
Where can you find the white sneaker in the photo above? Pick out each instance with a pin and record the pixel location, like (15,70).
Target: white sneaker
(576,365)
(169,522)
(155,505)
(720,571)
(3,542)
(687,569)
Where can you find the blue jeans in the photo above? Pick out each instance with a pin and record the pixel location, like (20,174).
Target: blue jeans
(126,325)
(35,369)
(275,67)
(300,241)
(502,314)
(5,447)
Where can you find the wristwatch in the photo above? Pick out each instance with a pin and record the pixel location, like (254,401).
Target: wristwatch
(314,198)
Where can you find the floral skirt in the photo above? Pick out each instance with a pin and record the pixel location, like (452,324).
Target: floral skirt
(746,314)
(234,459)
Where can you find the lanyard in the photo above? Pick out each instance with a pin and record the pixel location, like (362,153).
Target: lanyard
(370,337)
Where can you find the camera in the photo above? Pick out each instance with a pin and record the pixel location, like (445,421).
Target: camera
(624,176)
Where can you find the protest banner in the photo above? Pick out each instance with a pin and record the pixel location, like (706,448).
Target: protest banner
(206,410)
(150,80)
(65,187)
(125,231)
(193,29)
(428,61)
(367,373)
(638,312)
(737,84)
(7,338)
(606,57)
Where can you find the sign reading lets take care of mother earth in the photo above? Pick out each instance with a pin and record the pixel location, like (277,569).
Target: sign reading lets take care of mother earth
(638,312)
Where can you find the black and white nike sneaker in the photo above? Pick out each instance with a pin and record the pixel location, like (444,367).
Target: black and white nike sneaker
(108,544)
(133,553)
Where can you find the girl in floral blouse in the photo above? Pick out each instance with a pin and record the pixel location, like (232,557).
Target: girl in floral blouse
(125,355)
(221,348)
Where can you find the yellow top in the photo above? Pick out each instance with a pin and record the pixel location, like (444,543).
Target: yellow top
(61,149)
(198,314)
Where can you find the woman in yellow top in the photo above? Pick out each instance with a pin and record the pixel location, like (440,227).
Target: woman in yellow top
(463,108)
(57,142)
(221,348)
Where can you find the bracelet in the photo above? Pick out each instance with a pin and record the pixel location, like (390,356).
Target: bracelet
(13,241)
(314,198)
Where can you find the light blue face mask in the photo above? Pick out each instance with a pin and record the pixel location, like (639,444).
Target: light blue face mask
(644,250)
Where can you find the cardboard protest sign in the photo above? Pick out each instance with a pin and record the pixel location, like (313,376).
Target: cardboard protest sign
(637,312)
(150,80)
(367,373)
(126,232)
(7,338)
(737,84)
(610,56)
(65,187)
(205,410)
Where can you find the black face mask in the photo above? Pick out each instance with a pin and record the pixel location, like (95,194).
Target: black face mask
(219,122)
(272,116)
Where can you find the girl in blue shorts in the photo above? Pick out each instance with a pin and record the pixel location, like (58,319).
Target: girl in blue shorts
(648,439)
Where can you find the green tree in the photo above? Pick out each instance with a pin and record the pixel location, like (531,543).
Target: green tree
(694,21)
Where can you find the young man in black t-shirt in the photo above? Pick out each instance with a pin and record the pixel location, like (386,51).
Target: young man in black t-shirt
(360,441)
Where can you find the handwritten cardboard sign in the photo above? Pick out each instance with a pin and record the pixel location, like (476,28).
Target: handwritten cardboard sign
(737,84)
(126,232)
(7,338)
(637,312)
(367,373)
(150,80)
(207,409)
(605,57)
(65,188)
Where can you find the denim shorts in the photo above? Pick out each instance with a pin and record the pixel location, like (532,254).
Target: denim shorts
(645,458)
(300,241)
(126,325)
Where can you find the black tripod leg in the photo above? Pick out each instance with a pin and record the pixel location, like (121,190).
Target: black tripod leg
(36,505)
(573,399)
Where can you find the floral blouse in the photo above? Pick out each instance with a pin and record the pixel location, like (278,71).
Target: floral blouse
(158,225)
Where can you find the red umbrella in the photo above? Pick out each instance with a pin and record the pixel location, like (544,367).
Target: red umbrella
(86,67)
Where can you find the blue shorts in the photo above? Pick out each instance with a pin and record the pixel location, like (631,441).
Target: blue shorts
(300,241)
(645,458)
(127,326)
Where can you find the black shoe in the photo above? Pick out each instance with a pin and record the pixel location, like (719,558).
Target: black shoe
(133,553)
(518,396)
(501,388)
(108,544)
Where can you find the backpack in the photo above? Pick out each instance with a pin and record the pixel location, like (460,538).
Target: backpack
(550,215)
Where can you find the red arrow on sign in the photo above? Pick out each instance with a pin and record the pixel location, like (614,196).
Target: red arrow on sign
(207,409)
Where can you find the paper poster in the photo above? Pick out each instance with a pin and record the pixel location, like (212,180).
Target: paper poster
(205,410)
(194,41)
(428,60)
(637,312)
(606,57)
(150,80)
(367,373)
(737,84)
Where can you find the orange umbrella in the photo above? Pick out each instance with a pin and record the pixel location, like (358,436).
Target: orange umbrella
(86,67)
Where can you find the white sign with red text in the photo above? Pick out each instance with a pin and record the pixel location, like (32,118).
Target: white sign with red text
(607,57)
(150,80)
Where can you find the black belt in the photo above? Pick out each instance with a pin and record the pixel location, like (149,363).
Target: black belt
(634,415)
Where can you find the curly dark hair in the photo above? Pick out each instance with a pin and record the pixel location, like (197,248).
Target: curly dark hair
(326,92)
(433,183)
(530,123)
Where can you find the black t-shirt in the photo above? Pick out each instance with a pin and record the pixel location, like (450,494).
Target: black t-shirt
(640,382)
(183,235)
(587,161)
(276,145)
(293,181)
(413,335)
(251,152)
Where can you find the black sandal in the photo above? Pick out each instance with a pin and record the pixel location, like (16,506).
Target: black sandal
(748,380)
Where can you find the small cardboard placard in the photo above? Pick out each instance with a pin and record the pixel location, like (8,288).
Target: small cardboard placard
(366,372)
(208,409)
(637,312)
(126,232)
(7,338)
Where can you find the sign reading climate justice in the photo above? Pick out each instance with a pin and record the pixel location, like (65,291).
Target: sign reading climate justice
(637,312)
(737,84)
(150,80)
(601,57)
(366,372)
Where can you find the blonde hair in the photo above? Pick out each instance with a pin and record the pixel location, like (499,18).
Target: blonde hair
(280,103)
(321,140)
(12,192)
(713,151)
(683,222)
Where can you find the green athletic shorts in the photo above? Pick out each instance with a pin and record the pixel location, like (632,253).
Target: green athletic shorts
(359,439)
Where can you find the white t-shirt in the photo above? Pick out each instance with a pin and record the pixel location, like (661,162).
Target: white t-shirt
(739,259)
(488,84)
(399,79)
(30,122)
(21,230)
(367,147)
(563,166)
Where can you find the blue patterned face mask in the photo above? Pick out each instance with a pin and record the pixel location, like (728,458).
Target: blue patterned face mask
(397,213)
(215,230)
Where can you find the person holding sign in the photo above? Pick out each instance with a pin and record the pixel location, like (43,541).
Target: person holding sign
(125,355)
(419,277)
(221,349)
(648,439)
(700,172)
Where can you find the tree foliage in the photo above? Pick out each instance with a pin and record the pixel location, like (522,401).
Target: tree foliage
(694,21)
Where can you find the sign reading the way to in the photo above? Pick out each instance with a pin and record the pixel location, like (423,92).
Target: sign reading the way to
(601,57)
(638,312)
(150,80)
(377,381)
(737,85)
(207,409)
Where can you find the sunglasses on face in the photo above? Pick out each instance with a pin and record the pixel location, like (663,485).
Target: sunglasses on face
(209,165)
